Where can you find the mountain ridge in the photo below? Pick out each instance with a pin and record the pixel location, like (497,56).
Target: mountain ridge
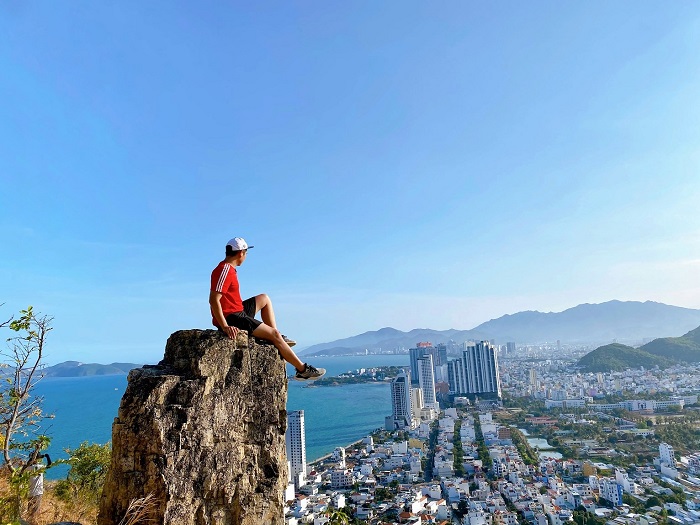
(78,369)
(631,321)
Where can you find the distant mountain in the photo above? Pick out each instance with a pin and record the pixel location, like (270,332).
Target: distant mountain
(77,369)
(684,348)
(624,321)
(617,357)
(629,321)
(389,339)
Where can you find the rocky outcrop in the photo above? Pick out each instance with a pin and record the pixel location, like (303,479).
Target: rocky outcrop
(203,432)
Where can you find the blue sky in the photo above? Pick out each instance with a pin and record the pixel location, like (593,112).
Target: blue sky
(404,164)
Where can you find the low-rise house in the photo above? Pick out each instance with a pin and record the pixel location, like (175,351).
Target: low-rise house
(364,513)
(341,478)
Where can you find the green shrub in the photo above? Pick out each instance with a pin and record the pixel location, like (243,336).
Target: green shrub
(86,477)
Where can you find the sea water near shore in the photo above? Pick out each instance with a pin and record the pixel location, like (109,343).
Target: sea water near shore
(84,407)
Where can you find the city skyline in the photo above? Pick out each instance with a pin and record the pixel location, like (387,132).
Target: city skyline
(496,158)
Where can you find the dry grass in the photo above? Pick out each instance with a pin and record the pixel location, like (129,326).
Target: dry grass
(52,509)
(140,511)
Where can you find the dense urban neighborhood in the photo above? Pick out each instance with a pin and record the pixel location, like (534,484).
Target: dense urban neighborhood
(510,436)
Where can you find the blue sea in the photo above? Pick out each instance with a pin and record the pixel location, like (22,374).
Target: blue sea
(85,407)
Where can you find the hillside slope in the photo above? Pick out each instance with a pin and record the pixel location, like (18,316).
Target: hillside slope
(684,348)
(617,357)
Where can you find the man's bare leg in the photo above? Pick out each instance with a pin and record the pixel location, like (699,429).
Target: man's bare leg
(264,331)
(263,304)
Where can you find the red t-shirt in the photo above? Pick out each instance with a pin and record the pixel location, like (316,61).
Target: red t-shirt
(225,281)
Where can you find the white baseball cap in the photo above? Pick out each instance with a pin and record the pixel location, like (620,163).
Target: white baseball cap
(238,243)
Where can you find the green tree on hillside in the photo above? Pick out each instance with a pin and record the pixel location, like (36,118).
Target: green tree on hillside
(86,477)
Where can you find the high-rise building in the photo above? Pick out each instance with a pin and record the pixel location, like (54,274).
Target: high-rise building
(441,375)
(401,410)
(456,377)
(426,380)
(476,372)
(510,349)
(451,375)
(295,441)
(440,355)
(415,354)
(533,378)
(481,369)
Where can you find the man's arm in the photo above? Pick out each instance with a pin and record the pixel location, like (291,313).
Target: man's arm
(218,313)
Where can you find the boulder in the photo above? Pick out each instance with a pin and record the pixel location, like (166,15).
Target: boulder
(202,432)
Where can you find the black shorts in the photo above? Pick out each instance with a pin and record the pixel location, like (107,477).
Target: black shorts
(244,320)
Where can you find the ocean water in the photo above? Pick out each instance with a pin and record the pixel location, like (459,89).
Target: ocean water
(339,415)
(85,407)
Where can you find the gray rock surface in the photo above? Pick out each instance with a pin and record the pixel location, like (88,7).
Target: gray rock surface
(203,431)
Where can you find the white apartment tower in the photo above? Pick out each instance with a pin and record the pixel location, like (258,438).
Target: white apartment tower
(481,369)
(426,381)
(295,441)
(401,409)
(666,455)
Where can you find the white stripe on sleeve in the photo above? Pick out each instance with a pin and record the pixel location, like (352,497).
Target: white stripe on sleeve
(222,278)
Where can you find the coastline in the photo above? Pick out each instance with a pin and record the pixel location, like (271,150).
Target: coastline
(336,417)
(324,458)
(85,408)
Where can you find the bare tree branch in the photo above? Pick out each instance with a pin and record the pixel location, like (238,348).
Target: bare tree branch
(5,323)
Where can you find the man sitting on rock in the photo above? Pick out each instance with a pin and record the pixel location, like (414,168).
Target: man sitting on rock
(230,314)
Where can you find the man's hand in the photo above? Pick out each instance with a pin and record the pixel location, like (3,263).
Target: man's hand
(232,331)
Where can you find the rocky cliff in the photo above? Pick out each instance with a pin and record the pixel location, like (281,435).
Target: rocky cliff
(203,432)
